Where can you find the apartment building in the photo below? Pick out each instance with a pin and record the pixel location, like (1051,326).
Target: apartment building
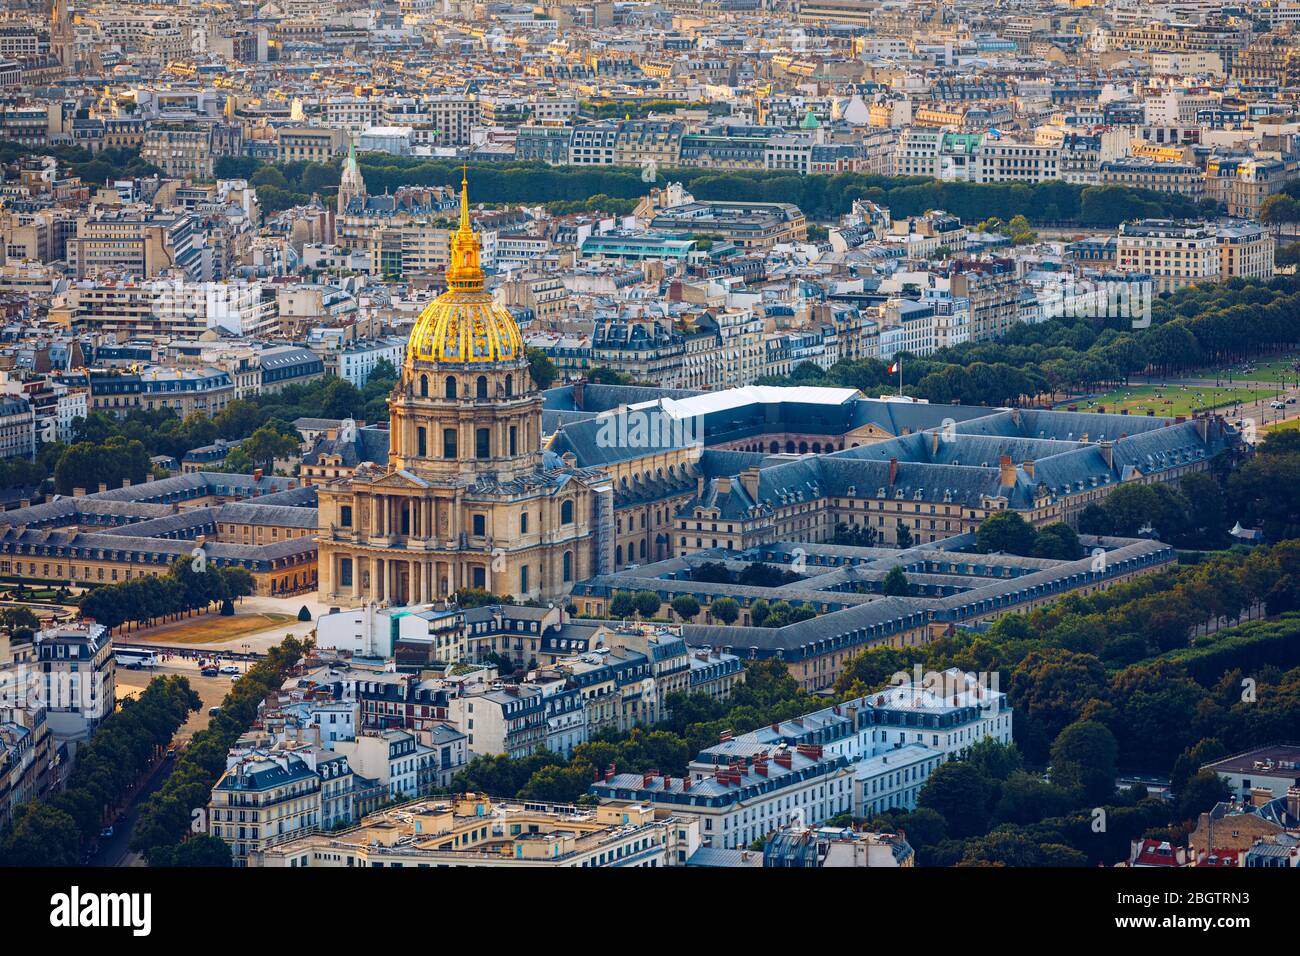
(355,362)
(1245,251)
(1005,161)
(1173,254)
(185,390)
(992,293)
(77,679)
(1242,183)
(473,830)
(309,144)
(167,308)
(394,758)
(750,225)
(864,757)
(1140,172)
(137,242)
(594,144)
(26,757)
(263,799)
(179,149)
(17,428)
(640,142)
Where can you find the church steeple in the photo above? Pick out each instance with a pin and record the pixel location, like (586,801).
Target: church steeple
(351,183)
(62,38)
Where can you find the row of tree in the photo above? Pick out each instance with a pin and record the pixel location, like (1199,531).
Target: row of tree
(1199,509)
(111,451)
(1069,661)
(283,185)
(192,584)
(166,831)
(57,831)
(1215,324)
(988,809)
(819,196)
(92,167)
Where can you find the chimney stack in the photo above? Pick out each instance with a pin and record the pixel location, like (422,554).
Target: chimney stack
(1006,471)
(893,470)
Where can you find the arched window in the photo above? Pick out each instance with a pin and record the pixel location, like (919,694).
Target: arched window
(523,523)
(449,443)
(424,386)
(618,555)
(566,512)
(568,565)
(482,443)
(450,391)
(510,385)
(421,441)
(514,441)
(481,387)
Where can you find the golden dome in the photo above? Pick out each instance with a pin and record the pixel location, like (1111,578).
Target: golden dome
(465,324)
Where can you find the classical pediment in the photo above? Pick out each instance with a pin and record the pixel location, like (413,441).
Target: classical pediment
(399,479)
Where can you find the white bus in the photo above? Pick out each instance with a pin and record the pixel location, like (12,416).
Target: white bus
(135,659)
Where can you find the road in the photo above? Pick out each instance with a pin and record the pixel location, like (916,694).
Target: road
(114,850)
(210,689)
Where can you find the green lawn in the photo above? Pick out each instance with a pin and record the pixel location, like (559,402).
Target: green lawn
(1259,371)
(1167,400)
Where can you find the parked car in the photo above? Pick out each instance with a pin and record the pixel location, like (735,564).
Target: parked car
(209,672)
(230,669)
(213,711)
(1277,404)
(105,833)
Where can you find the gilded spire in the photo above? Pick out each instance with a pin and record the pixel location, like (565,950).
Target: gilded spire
(464,274)
(464,324)
(465,228)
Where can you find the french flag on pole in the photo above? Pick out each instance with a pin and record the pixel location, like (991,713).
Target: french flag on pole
(894,368)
